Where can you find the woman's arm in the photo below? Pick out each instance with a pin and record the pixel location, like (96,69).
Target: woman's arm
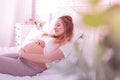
(41,58)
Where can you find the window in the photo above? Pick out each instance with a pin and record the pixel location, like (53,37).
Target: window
(44,9)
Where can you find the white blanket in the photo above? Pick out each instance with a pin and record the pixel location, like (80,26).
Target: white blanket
(41,77)
(48,75)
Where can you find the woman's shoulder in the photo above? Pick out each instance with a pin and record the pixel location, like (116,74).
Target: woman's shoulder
(47,38)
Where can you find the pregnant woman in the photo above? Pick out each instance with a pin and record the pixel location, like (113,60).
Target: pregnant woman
(37,56)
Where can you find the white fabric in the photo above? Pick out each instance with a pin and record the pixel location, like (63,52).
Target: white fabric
(66,49)
(40,77)
(6,50)
(32,35)
(77,33)
(50,46)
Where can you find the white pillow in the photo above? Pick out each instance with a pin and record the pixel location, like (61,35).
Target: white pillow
(77,33)
(36,33)
(32,35)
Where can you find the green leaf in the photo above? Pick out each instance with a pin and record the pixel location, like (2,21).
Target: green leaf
(93,2)
(76,46)
(94,20)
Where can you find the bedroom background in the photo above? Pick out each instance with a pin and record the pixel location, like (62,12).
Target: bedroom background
(17,12)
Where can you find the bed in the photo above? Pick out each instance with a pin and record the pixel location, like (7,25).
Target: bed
(54,73)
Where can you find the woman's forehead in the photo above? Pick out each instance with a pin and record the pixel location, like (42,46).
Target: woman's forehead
(59,20)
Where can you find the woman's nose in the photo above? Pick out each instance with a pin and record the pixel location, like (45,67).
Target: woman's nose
(55,28)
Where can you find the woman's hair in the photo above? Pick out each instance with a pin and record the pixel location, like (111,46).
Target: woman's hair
(68,26)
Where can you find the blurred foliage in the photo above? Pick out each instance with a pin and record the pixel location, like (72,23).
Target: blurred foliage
(113,16)
(112,40)
(102,69)
(76,46)
(94,20)
(110,69)
(93,2)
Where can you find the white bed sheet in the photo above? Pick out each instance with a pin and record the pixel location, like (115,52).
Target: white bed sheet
(41,76)
(6,50)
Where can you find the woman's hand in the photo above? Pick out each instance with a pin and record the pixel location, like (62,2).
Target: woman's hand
(40,43)
(21,53)
(38,58)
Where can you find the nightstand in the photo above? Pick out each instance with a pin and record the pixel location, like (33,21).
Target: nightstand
(22,31)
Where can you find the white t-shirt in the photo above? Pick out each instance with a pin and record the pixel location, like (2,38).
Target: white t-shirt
(49,46)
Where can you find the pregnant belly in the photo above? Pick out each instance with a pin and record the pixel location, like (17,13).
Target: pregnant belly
(39,66)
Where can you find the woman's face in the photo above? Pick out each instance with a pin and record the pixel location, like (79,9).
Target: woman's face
(59,28)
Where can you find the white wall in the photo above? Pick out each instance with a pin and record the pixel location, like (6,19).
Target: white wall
(6,21)
(12,11)
(23,10)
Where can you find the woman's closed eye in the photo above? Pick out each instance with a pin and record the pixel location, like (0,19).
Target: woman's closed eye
(58,25)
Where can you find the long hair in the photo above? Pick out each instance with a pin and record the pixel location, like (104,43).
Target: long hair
(68,26)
